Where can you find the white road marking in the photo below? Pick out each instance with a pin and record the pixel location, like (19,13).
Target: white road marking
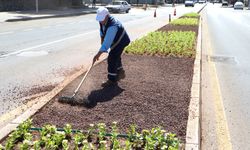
(46,44)
(46,27)
(27,30)
(3,33)
(84,21)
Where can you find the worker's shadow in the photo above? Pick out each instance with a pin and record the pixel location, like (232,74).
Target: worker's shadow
(102,95)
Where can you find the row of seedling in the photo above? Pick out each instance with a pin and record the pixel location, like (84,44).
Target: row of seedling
(26,137)
(192,15)
(172,43)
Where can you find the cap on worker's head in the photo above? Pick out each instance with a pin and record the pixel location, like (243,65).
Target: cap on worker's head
(102,12)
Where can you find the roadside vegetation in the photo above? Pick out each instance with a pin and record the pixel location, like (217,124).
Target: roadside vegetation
(96,137)
(171,43)
(174,43)
(99,136)
(192,15)
(185,21)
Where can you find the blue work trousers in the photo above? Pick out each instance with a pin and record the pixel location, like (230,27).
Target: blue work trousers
(114,61)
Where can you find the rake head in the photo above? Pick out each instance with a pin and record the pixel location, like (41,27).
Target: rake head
(68,100)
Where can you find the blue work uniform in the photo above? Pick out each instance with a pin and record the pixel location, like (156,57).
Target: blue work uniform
(116,39)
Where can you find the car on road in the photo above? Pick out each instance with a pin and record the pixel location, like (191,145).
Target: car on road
(189,3)
(239,5)
(119,6)
(224,3)
(202,1)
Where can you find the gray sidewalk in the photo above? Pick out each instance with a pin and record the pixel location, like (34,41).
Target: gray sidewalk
(12,16)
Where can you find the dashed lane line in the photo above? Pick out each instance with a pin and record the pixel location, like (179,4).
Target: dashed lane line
(46,27)
(27,30)
(4,33)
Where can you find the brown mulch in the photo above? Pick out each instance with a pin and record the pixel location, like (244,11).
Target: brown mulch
(155,92)
(170,27)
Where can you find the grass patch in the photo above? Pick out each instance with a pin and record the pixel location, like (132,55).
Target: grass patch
(185,21)
(173,43)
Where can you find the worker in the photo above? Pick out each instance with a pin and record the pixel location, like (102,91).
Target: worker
(114,39)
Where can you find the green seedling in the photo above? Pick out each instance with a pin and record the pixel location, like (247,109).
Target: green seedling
(65,145)
(101,131)
(192,14)
(85,145)
(114,140)
(68,131)
(1,147)
(36,145)
(78,138)
(58,138)
(25,145)
(102,145)
(128,145)
(173,43)
(185,22)
(51,145)
(90,132)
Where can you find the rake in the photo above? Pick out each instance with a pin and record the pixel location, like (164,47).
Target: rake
(72,98)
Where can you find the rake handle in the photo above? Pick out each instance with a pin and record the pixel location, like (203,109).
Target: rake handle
(80,84)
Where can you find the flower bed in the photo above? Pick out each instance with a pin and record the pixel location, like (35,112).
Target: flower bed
(155,94)
(172,43)
(96,137)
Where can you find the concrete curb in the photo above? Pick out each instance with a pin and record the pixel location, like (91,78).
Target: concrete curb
(193,125)
(52,16)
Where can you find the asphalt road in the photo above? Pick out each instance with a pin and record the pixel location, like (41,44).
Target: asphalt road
(37,55)
(226,79)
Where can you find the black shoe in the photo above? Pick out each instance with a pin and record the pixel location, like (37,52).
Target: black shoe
(121,75)
(109,83)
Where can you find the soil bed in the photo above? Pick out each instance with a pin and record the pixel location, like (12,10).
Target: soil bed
(155,92)
(170,27)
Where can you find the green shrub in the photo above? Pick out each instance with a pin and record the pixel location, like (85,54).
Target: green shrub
(192,14)
(185,21)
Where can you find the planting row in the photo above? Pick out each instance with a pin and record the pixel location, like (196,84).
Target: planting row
(174,43)
(171,43)
(26,137)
